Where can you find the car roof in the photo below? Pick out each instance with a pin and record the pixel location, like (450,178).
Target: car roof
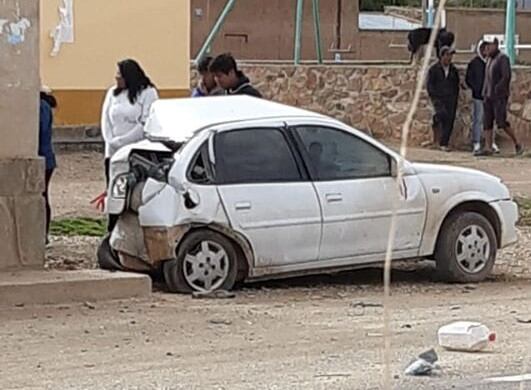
(179,119)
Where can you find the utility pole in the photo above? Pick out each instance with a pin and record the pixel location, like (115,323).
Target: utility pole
(510,30)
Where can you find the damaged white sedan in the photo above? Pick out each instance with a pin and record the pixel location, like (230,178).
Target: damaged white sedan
(232,189)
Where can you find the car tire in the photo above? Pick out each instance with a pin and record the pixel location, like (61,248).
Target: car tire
(466,248)
(205,261)
(107,257)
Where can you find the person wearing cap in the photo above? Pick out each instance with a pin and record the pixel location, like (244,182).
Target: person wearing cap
(496,93)
(47,104)
(475,77)
(443,89)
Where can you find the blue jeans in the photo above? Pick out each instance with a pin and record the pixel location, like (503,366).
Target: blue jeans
(477,120)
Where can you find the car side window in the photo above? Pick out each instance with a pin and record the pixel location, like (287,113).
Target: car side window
(260,155)
(198,171)
(338,155)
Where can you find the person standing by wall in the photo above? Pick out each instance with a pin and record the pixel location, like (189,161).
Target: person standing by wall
(230,78)
(125,111)
(443,89)
(207,84)
(496,93)
(47,104)
(475,77)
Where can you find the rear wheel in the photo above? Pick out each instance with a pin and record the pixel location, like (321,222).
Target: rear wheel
(205,261)
(466,249)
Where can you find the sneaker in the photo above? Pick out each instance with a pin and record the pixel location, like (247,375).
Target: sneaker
(519,149)
(477,148)
(495,149)
(483,153)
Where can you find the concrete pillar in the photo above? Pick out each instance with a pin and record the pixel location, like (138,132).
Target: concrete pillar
(21,171)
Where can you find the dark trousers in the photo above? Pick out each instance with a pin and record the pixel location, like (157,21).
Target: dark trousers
(47,177)
(444,118)
(112,218)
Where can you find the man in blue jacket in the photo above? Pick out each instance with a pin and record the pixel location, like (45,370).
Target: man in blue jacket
(47,103)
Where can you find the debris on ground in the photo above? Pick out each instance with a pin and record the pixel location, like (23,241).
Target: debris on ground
(359,307)
(89,305)
(217,294)
(423,365)
(216,321)
(523,320)
(465,336)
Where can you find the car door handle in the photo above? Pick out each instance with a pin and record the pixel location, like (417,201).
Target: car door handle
(240,206)
(332,198)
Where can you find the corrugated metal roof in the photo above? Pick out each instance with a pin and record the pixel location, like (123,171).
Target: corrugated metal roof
(376,21)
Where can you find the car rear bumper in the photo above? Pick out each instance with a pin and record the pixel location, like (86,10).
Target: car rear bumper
(508,213)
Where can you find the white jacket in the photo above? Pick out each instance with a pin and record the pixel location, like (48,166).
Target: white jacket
(122,123)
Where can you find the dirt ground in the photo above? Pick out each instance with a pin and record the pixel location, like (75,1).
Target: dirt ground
(305,333)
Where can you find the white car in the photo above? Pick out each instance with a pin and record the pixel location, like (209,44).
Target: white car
(231,189)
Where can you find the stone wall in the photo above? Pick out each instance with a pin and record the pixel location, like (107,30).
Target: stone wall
(376,98)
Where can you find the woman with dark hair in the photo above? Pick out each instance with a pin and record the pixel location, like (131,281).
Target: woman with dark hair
(125,111)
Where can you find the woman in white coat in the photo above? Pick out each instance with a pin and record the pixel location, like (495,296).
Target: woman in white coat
(125,111)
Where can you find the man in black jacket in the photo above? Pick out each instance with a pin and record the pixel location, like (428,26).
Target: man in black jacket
(443,88)
(232,80)
(496,93)
(475,77)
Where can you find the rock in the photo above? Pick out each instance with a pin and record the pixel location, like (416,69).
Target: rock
(527,111)
(89,305)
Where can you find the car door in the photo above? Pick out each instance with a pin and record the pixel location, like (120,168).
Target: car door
(267,194)
(354,181)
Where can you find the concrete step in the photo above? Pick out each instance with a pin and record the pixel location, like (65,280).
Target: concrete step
(53,287)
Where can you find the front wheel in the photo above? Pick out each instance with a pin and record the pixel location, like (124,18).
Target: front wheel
(205,261)
(466,249)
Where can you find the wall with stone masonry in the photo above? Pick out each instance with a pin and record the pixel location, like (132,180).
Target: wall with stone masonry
(376,98)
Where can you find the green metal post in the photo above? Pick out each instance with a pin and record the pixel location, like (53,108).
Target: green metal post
(510,30)
(298,31)
(317,26)
(215,29)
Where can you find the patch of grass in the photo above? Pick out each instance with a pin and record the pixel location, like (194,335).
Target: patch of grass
(79,227)
(524,205)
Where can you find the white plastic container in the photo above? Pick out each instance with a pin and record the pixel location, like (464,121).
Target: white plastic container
(465,336)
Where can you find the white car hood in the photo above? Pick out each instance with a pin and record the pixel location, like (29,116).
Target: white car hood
(460,180)
(421,168)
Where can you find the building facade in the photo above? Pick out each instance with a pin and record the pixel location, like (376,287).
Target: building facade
(99,33)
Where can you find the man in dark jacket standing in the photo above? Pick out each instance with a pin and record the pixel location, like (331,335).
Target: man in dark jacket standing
(230,78)
(475,77)
(496,92)
(443,88)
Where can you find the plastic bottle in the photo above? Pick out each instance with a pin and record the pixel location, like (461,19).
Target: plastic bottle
(465,336)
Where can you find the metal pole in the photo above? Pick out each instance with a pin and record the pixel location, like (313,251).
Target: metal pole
(424,15)
(510,30)
(215,29)
(317,24)
(431,6)
(298,31)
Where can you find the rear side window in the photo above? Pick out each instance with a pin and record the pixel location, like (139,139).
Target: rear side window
(254,156)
